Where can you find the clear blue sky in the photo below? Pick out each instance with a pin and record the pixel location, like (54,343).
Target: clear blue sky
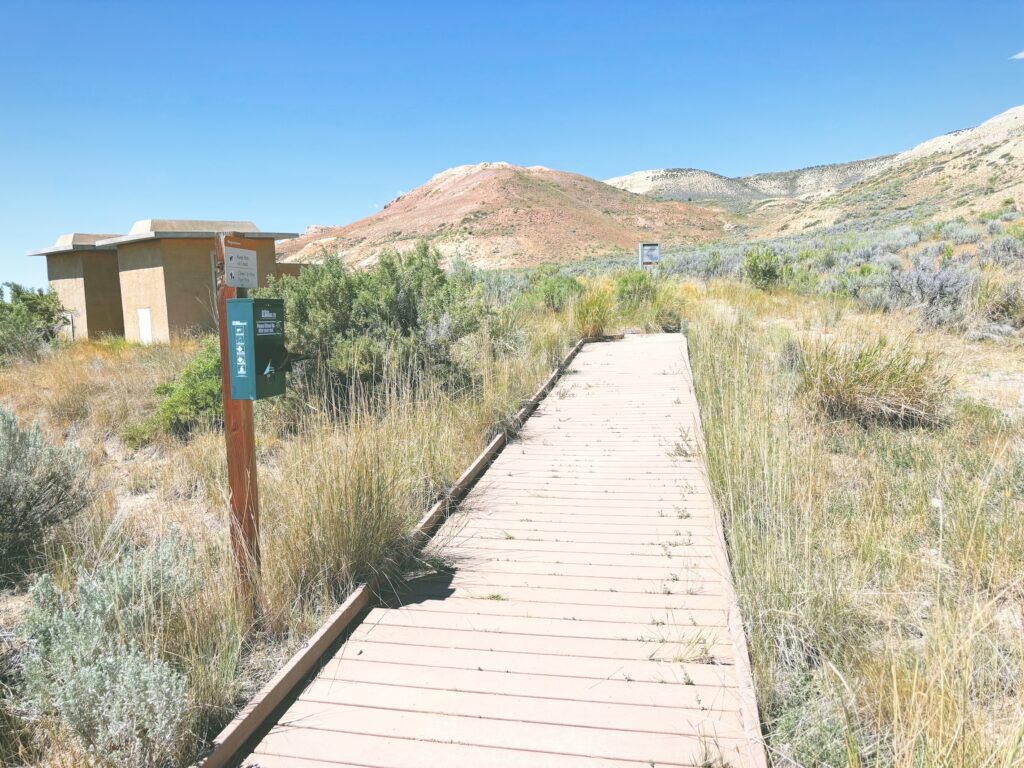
(302,113)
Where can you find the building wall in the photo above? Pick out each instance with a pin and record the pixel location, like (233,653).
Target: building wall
(102,285)
(189,284)
(141,273)
(289,268)
(64,271)
(173,277)
(189,276)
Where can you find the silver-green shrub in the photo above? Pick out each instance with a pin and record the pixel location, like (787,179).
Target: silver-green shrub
(91,658)
(40,485)
(959,233)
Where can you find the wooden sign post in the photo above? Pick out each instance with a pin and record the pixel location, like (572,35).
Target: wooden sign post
(236,263)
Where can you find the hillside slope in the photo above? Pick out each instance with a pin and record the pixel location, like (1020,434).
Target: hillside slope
(739,192)
(502,215)
(963,172)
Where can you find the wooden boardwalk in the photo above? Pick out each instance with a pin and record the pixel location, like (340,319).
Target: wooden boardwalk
(590,619)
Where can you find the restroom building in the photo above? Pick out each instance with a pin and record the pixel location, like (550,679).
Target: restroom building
(167,277)
(84,276)
(154,283)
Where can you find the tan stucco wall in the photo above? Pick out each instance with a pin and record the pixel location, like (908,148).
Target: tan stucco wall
(189,282)
(102,293)
(141,271)
(289,268)
(188,274)
(64,271)
(173,278)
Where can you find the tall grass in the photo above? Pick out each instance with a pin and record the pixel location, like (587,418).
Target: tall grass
(878,567)
(594,310)
(877,380)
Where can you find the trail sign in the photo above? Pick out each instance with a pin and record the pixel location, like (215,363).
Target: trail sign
(259,359)
(650,254)
(240,263)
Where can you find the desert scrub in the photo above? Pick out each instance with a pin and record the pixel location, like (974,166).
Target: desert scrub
(553,289)
(84,665)
(93,388)
(592,312)
(669,307)
(634,289)
(41,485)
(875,381)
(876,567)
(404,311)
(28,320)
(192,401)
(762,267)
(132,661)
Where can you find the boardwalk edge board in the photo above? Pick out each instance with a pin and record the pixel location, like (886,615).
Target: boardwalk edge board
(228,745)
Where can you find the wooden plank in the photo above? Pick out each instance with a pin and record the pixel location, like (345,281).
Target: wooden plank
(596,670)
(690,584)
(298,751)
(581,597)
(692,649)
(324,728)
(587,713)
(575,612)
(506,624)
(717,692)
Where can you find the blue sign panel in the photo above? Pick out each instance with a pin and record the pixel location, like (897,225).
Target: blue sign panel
(242,348)
(259,359)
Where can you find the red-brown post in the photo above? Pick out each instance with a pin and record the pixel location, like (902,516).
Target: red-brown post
(241,444)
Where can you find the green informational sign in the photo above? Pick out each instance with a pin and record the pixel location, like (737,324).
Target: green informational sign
(258,358)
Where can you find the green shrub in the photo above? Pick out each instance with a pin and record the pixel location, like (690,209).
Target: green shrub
(92,662)
(555,291)
(634,289)
(762,267)
(195,398)
(28,320)
(593,312)
(40,486)
(405,310)
(875,382)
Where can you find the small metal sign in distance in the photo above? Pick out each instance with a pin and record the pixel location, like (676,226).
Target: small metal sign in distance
(650,254)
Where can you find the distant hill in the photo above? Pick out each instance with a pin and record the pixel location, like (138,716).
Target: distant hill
(959,174)
(970,170)
(737,193)
(502,215)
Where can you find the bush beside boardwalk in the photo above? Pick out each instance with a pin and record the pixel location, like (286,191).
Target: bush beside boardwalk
(875,556)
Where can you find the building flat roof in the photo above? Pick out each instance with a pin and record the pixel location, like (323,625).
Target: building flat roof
(76,241)
(157,229)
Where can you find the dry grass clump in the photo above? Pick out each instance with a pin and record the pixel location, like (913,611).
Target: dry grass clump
(593,311)
(875,381)
(96,387)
